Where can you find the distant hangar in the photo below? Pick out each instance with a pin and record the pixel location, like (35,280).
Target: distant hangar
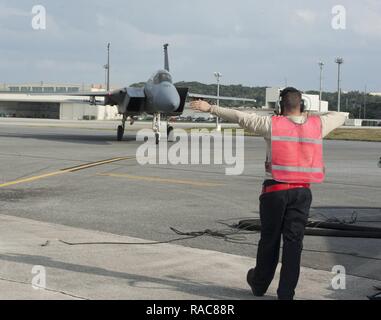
(30,101)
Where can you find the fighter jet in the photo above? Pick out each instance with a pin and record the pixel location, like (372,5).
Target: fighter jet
(158,97)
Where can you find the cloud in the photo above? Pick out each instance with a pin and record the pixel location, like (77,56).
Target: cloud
(369,27)
(305,15)
(250,42)
(6,11)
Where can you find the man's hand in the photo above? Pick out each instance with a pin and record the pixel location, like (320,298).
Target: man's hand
(200,105)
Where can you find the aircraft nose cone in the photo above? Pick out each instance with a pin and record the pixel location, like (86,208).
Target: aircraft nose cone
(168,99)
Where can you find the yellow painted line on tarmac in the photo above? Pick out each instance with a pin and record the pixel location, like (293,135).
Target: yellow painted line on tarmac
(163,180)
(31,179)
(63,171)
(97,163)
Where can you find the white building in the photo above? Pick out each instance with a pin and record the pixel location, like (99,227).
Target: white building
(34,101)
(311,100)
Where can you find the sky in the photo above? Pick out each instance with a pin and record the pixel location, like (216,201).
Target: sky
(251,42)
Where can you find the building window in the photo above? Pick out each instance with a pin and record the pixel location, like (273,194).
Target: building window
(49,89)
(60,89)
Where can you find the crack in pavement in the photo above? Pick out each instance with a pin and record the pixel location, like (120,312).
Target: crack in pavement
(46,289)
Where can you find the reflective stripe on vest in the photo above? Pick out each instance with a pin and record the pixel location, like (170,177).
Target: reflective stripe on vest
(297,139)
(297,150)
(297,169)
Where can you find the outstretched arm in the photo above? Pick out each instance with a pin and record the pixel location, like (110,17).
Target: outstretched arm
(332,120)
(252,122)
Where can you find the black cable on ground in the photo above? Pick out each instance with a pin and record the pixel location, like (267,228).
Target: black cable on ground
(376,296)
(321,228)
(352,220)
(226,235)
(124,243)
(222,234)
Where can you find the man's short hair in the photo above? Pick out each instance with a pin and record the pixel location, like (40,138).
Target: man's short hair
(291,98)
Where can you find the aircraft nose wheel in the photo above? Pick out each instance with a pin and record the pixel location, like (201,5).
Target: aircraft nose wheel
(170,134)
(120,133)
(157,137)
(169,130)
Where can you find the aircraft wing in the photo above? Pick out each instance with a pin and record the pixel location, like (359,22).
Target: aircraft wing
(83,94)
(204,96)
(128,99)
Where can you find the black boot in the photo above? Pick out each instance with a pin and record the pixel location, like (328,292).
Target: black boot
(250,281)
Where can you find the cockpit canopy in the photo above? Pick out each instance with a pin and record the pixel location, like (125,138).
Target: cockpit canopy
(162,76)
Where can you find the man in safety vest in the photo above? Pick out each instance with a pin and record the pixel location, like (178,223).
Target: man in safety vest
(294,160)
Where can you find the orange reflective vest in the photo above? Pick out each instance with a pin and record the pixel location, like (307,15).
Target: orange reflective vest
(297,151)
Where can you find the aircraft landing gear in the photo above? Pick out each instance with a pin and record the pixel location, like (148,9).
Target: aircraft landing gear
(156,127)
(157,137)
(120,133)
(121,129)
(170,130)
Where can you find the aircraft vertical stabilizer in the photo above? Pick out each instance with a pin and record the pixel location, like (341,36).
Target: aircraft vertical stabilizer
(166,59)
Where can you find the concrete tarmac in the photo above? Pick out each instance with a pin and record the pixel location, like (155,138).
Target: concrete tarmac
(36,265)
(127,199)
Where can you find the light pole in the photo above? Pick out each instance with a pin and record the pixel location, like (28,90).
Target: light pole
(321,65)
(107,68)
(218,76)
(365,94)
(339,62)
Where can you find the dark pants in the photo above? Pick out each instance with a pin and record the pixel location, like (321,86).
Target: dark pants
(282,213)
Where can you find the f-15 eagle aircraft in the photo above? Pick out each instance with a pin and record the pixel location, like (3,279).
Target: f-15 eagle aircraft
(158,97)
